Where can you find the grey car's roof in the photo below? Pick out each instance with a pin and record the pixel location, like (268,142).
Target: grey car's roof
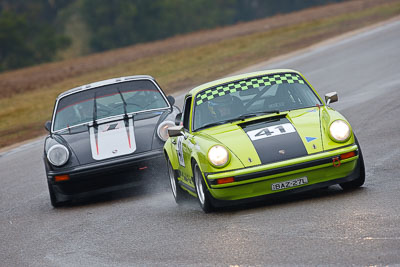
(104,82)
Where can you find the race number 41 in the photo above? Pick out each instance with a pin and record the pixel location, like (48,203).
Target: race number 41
(271,131)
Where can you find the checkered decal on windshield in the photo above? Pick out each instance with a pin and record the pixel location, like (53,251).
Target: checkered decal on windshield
(233,87)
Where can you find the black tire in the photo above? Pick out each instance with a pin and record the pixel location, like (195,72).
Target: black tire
(177,191)
(53,197)
(203,195)
(360,168)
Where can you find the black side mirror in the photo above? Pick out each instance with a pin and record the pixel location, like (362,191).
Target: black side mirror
(175,131)
(178,119)
(171,100)
(47,126)
(331,97)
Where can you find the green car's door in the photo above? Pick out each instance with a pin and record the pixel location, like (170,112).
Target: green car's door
(183,146)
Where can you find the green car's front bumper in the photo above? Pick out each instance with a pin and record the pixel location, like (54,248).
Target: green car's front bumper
(322,169)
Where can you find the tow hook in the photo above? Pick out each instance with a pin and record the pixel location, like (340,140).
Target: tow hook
(336,162)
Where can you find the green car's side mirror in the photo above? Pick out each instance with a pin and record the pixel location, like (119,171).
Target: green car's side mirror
(175,131)
(331,97)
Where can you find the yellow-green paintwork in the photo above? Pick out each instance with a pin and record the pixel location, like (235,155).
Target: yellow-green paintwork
(306,122)
(309,122)
(263,186)
(282,164)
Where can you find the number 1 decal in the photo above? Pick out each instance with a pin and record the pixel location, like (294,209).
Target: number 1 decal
(180,151)
(271,131)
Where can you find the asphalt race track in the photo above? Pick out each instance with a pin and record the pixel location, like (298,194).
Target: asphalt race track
(144,226)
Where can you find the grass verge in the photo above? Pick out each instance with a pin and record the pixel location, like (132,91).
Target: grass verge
(22,115)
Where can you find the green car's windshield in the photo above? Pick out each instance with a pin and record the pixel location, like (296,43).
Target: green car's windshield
(252,97)
(107,101)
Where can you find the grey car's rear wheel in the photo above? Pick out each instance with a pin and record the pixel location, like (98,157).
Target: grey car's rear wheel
(201,189)
(177,191)
(360,169)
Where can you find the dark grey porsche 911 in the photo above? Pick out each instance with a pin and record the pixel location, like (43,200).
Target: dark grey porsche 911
(105,136)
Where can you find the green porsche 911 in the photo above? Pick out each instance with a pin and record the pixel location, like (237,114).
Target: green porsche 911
(250,136)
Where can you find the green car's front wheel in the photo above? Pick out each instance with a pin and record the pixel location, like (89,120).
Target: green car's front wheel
(177,191)
(360,168)
(201,189)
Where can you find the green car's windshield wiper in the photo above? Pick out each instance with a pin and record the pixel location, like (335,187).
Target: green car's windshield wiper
(213,124)
(241,117)
(253,114)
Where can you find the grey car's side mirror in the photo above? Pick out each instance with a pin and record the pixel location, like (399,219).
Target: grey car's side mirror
(47,126)
(171,99)
(178,119)
(331,97)
(175,131)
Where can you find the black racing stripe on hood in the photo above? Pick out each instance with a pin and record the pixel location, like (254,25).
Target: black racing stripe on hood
(275,140)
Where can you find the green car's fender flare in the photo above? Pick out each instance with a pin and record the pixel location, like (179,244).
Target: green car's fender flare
(171,154)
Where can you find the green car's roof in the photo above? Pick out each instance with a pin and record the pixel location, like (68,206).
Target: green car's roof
(239,77)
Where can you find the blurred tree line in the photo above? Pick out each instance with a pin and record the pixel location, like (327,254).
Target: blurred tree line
(27,36)
(32,32)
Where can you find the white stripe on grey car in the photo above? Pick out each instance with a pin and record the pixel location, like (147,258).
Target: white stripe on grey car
(112,139)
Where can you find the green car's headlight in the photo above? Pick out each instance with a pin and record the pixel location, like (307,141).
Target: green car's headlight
(218,156)
(339,131)
(58,155)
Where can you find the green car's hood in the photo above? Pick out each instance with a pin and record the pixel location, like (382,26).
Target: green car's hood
(272,138)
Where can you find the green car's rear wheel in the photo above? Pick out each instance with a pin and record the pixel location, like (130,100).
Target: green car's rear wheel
(360,168)
(201,189)
(177,191)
